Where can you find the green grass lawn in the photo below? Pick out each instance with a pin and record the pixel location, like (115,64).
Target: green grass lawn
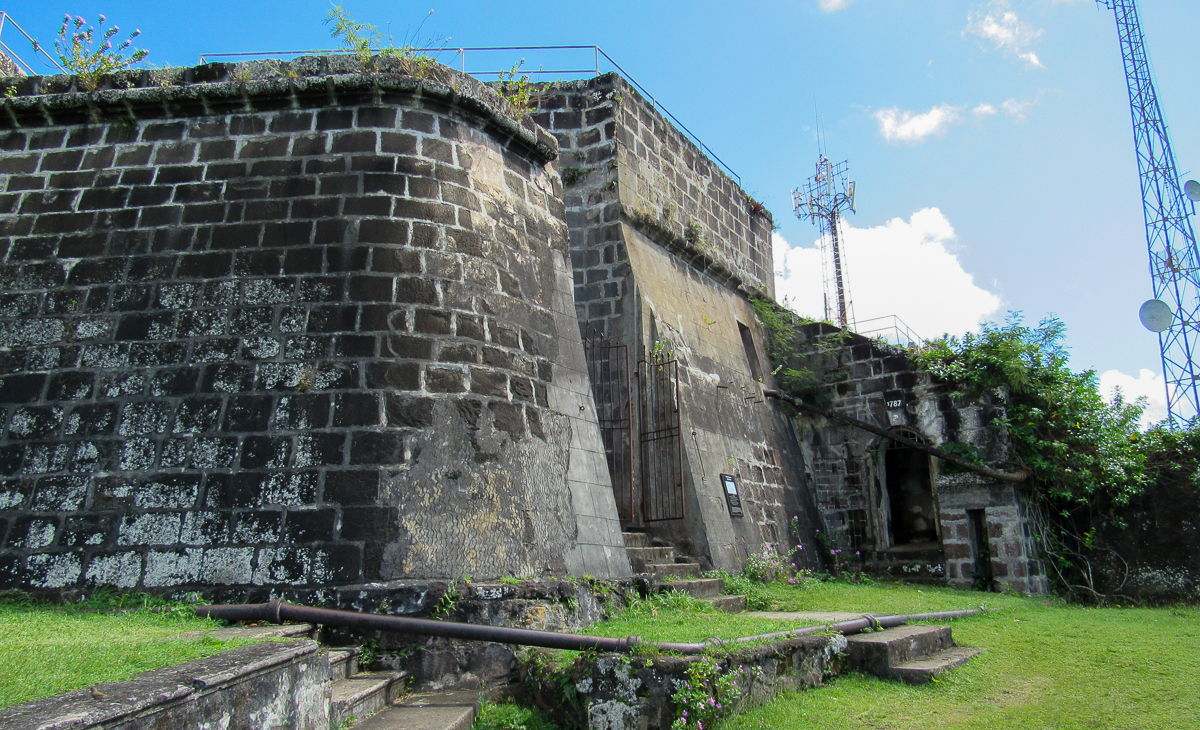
(1047,665)
(679,617)
(45,650)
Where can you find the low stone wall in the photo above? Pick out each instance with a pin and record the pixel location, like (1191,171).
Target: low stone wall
(435,663)
(1158,543)
(270,684)
(617,692)
(1010,550)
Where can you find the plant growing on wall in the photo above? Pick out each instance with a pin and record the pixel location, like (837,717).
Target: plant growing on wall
(516,91)
(707,695)
(90,54)
(1085,454)
(1075,442)
(365,41)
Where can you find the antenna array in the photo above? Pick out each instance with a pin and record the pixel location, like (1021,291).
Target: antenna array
(822,200)
(1174,260)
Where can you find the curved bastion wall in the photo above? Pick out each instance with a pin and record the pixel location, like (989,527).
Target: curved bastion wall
(290,326)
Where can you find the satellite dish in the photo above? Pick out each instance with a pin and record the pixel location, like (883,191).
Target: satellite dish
(1191,188)
(1156,316)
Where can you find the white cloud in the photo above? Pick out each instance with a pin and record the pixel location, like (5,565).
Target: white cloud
(1017,109)
(1006,30)
(984,110)
(898,125)
(1031,58)
(831,6)
(901,268)
(1148,384)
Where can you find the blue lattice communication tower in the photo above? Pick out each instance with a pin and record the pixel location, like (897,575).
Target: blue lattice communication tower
(1174,261)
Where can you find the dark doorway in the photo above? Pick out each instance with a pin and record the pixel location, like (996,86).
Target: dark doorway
(608,368)
(910,492)
(981,553)
(661,438)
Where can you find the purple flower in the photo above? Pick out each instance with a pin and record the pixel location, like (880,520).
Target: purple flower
(102,18)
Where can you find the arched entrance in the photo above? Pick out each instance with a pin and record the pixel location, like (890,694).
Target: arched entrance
(913,514)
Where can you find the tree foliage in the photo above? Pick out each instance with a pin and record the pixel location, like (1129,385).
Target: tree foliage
(1076,444)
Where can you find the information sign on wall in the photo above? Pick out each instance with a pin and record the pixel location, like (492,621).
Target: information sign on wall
(731,495)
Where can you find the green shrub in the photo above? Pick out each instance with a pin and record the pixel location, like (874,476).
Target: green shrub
(510,716)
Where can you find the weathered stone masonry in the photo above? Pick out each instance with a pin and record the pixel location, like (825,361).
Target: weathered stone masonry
(311,328)
(666,248)
(899,509)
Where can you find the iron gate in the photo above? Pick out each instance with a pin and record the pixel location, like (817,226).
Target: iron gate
(608,367)
(661,441)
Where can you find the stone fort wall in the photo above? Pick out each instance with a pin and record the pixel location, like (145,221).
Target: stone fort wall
(667,249)
(855,487)
(289,324)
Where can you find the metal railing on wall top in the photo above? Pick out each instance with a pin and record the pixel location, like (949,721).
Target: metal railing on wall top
(599,57)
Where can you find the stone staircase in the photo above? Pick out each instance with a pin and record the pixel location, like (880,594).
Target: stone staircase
(374,700)
(672,571)
(915,654)
(377,701)
(918,563)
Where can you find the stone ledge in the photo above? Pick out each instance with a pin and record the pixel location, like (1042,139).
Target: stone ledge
(226,690)
(618,691)
(308,80)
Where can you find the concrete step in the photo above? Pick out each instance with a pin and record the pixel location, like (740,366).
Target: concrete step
(261,631)
(674,571)
(343,662)
(435,711)
(923,670)
(641,558)
(362,695)
(636,539)
(919,563)
(697,587)
(728,604)
(878,652)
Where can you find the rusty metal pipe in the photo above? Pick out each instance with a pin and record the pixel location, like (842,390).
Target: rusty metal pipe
(278,611)
(1012,477)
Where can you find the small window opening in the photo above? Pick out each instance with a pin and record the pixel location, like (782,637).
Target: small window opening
(856,528)
(751,353)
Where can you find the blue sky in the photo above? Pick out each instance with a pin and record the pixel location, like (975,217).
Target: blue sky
(1008,117)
